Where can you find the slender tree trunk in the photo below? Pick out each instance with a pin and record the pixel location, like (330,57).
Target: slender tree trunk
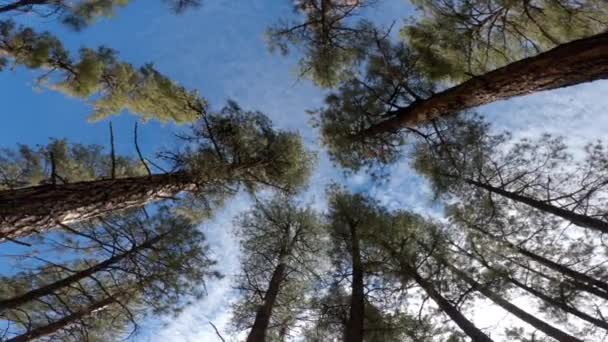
(457,317)
(62,323)
(559,304)
(30,210)
(574,283)
(578,276)
(354,326)
(577,219)
(579,61)
(579,280)
(262,317)
(23,5)
(14,302)
(544,297)
(546,328)
(576,279)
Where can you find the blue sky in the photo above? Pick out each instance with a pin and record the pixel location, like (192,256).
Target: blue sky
(219,49)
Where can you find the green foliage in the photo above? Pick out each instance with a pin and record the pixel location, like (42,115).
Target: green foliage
(27,166)
(331,46)
(237,146)
(276,232)
(461,38)
(391,81)
(160,279)
(98,76)
(79,14)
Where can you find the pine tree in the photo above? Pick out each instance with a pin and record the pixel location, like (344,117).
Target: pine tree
(156,265)
(99,77)
(385,89)
(465,158)
(279,245)
(224,151)
(470,37)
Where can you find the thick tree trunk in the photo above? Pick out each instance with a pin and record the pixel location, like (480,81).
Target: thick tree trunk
(62,323)
(262,317)
(67,281)
(457,317)
(354,326)
(577,219)
(23,5)
(34,209)
(579,61)
(546,328)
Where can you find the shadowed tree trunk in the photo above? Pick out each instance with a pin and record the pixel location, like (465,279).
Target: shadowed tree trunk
(354,326)
(262,317)
(36,209)
(62,323)
(579,61)
(577,219)
(67,281)
(546,328)
(457,317)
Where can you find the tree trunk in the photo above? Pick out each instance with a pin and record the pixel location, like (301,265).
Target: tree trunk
(571,282)
(559,304)
(31,210)
(546,328)
(14,302)
(544,297)
(354,326)
(577,219)
(578,280)
(24,5)
(576,275)
(62,323)
(579,61)
(467,326)
(262,317)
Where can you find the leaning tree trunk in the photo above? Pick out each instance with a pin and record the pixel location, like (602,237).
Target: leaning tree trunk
(56,326)
(577,219)
(575,284)
(544,297)
(579,280)
(579,61)
(14,302)
(457,317)
(262,317)
(546,328)
(30,210)
(354,326)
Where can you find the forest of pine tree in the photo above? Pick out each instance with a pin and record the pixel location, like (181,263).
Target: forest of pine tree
(349,170)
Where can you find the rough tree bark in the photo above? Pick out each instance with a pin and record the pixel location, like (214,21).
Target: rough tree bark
(35,209)
(579,61)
